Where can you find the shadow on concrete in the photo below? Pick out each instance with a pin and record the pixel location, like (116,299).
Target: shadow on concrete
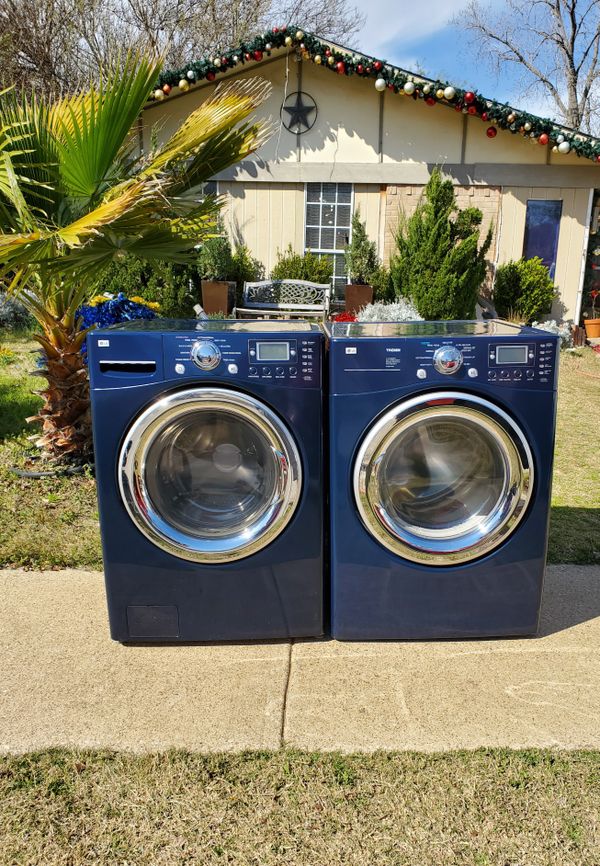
(571,597)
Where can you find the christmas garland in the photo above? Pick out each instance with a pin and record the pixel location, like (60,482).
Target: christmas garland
(386,77)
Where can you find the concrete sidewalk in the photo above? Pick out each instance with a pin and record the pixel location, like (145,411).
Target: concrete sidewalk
(63,682)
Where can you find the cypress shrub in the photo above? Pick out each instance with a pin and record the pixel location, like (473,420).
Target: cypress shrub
(438,263)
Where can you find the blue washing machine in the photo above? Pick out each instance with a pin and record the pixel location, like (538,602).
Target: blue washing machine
(441,445)
(208,442)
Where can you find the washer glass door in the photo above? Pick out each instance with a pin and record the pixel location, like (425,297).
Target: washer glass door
(443,478)
(210,475)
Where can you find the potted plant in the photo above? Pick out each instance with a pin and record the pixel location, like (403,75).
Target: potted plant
(592,325)
(215,266)
(361,265)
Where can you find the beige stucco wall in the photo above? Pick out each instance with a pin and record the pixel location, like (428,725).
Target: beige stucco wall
(266,217)
(385,145)
(571,238)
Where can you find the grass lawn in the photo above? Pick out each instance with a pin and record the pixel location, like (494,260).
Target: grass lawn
(53,523)
(483,808)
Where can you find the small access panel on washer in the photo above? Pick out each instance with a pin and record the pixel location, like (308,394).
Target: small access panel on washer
(441,447)
(208,441)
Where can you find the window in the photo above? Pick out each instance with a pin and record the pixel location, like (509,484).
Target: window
(327,226)
(542,223)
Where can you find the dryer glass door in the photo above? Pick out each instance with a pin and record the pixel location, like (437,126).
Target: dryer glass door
(210,475)
(443,478)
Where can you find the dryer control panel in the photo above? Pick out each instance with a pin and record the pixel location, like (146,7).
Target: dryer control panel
(385,362)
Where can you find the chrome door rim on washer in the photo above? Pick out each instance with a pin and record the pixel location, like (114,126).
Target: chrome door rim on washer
(250,539)
(475,537)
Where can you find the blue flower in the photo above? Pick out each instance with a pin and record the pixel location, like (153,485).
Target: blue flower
(112,312)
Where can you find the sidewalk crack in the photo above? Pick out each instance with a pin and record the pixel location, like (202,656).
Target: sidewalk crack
(286,689)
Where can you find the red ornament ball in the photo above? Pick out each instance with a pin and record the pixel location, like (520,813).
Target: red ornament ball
(491,132)
(258,55)
(224,61)
(391,87)
(210,76)
(275,29)
(458,106)
(327,52)
(247,55)
(469,97)
(472,109)
(341,67)
(430,100)
(377,65)
(368,70)
(598,158)
(166,88)
(360,69)
(484,116)
(543,139)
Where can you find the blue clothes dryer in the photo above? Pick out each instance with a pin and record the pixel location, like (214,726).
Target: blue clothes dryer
(208,442)
(441,446)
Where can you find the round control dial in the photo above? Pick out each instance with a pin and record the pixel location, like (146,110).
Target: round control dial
(447,359)
(206,355)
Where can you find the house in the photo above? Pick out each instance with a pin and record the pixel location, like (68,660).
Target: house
(357,132)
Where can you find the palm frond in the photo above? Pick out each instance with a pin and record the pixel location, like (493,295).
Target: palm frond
(92,128)
(229,105)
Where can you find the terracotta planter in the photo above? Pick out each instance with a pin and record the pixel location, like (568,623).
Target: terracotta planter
(357,297)
(592,328)
(218,296)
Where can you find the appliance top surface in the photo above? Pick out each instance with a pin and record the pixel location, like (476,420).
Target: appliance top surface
(247,326)
(485,328)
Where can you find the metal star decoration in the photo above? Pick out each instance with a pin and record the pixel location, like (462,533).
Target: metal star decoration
(299,107)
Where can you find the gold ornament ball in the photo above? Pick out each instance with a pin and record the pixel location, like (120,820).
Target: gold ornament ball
(299,34)
(217,62)
(184,85)
(555,149)
(288,40)
(511,118)
(318,59)
(439,93)
(527,127)
(331,60)
(427,89)
(158,94)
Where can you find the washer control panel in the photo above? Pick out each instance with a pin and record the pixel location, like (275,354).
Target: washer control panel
(276,359)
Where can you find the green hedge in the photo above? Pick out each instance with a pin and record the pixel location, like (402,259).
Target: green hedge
(523,290)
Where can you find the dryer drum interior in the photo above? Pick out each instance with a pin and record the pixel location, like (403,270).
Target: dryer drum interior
(443,478)
(210,475)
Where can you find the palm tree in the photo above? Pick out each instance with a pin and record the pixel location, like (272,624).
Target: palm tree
(76,194)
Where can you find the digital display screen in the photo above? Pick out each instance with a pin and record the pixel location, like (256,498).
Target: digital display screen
(511,354)
(273,351)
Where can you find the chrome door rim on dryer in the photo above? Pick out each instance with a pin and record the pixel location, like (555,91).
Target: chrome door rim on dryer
(479,533)
(214,545)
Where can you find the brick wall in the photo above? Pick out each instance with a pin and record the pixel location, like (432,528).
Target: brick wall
(404,198)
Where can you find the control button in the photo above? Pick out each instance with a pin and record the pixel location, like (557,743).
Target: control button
(517,374)
(252,371)
(447,360)
(293,371)
(421,373)
(293,353)
(505,374)
(492,374)
(206,355)
(266,371)
(253,352)
(232,368)
(280,371)
(530,374)
(180,368)
(472,372)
